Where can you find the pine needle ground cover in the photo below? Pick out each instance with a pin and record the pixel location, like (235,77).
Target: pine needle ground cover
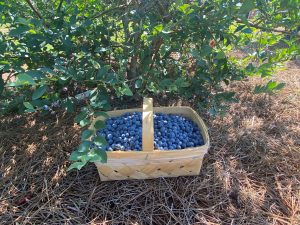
(251,174)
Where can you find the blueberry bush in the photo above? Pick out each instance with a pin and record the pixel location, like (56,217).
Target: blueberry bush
(64,54)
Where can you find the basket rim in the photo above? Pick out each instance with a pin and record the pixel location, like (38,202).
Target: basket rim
(157,151)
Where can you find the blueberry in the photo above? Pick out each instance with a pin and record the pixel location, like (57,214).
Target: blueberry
(45,107)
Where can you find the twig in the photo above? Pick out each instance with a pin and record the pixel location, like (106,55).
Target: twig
(264,28)
(108,10)
(34,9)
(59,6)
(10,75)
(157,47)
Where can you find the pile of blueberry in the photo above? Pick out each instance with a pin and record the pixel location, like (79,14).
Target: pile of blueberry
(170,132)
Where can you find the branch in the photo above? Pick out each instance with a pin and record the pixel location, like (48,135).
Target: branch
(9,76)
(34,9)
(157,46)
(59,6)
(108,10)
(257,26)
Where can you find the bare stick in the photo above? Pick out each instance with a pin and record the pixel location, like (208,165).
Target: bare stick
(265,28)
(34,9)
(59,6)
(108,10)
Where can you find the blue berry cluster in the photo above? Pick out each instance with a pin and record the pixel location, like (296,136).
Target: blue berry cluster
(170,132)
(175,132)
(123,132)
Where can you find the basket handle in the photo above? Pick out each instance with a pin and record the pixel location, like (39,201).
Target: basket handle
(147,128)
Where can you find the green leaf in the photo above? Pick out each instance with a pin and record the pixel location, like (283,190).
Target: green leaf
(2,67)
(76,155)
(165,83)
(271,85)
(39,92)
(95,64)
(247,6)
(220,55)
(239,28)
(101,73)
(84,146)
(18,31)
(250,68)
(99,104)
(185,9)
(68,104)
(28,105)
(22,21)
(181,82)
(76,165)
(99,140)
(98,156)
(99,124)
(84,122)
(259,89)
(101,49)
(280,86)
(86,134)
(29,110)
(205,50)
(126,91)
(104,114)
(158,29)
(82,115)
(23,79)
(138,83)
(247,31)
(35,74)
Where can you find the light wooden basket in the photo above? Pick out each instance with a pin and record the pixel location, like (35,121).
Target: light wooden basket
(150,163)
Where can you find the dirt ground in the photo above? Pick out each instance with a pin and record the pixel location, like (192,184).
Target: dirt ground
(251,174)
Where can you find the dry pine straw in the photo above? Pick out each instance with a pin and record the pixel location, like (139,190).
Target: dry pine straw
(250,176)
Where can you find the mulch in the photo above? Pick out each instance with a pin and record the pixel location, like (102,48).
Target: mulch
(251,174)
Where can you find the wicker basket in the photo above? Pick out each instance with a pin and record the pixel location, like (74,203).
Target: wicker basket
(150,163)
